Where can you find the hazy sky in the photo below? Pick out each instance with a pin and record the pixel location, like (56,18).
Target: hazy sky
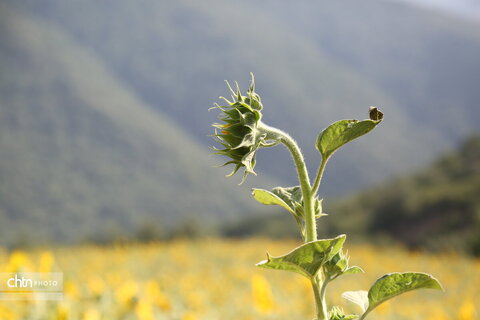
(467,8)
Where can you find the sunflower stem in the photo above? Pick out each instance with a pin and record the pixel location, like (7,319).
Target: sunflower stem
(308,195)
(279,135)
(318,178)
(319,290)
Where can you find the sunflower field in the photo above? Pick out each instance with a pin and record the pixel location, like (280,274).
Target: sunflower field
(217,279)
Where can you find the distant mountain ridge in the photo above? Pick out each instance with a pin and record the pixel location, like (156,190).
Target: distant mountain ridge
(82,157)
(329,60)
(104,107)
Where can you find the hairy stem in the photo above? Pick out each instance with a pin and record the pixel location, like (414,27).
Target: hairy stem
(318,178)
(310,222)
(318,285)
(319,290)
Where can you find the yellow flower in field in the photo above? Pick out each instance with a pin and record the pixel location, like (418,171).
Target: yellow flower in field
(19,261)
(7,313)
(113,279)
(96,285)
(261,294)
(126,292)
(70,289)
(467,311)
(62,312)
(189,316)
(144,310)
(91,314)
(438,314)
(46,262)
(195,301)
(156,296)
(384,308)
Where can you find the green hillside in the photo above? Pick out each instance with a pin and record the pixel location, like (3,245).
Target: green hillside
(103,121)
(83,157)
(175,56)
(436,208)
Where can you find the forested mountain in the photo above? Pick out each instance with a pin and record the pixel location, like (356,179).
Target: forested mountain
(438,207)
(82,156)
(104,118)
(314,63)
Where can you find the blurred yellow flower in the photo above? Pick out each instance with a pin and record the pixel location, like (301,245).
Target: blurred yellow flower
(467,311)
(438,314)
(189,316)
(62,312)
(91,314)
(144,310)
(384,308)
(46,262)
(19,262)
(126,292)
(7,313)
(70,290)
(96,285)
(155,295)
(261,294)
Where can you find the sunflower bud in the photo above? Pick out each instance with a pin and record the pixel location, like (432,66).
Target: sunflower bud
(239,132)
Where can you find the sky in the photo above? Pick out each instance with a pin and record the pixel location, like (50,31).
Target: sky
(465,8)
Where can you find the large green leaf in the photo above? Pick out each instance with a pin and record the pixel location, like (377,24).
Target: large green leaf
(393,284)
(390,286)
(306,259)
(344,131)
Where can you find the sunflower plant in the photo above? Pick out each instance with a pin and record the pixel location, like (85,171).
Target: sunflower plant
(241,133)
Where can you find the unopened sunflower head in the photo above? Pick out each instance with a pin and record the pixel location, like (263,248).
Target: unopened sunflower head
(239,132)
